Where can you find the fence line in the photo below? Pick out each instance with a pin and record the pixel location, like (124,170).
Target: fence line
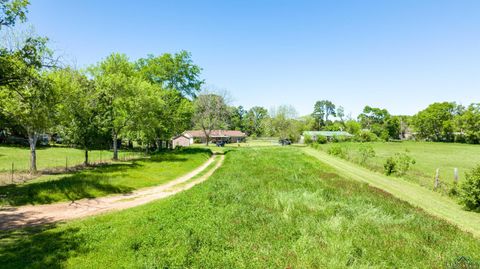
(17,175)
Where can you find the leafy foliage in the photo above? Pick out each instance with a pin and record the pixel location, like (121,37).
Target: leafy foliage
(11,11)
(399,164)
(339,151)
(470,189)
(436,122)
(366,152)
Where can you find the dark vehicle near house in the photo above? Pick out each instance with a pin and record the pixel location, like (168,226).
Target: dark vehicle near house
(285,142)
(220,143)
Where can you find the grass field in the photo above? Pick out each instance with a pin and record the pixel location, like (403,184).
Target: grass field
(428,156)
(120,177)
(264,208)
(50,157)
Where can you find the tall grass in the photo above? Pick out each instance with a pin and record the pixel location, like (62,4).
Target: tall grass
(264,208)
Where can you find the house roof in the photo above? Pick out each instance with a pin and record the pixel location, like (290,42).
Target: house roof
(215,133)
(180,135)
(327,133)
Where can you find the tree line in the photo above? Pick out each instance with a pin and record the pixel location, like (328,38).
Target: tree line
(439,122)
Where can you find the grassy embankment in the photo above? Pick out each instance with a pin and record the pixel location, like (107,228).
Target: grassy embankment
(119,177)
(428,156)
(264,208)
(432,202)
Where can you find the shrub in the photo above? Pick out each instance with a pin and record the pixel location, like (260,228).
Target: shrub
(399,164)
(470,189)
(366,136)
(404,161)
(340,138)
(366,152)
(339,151)
(389,166)
(322,139)
(307,139)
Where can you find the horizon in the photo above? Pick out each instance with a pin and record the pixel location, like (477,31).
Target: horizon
(398,56)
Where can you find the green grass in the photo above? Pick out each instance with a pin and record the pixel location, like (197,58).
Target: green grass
(428,156)
(50,157)
(120,177)
(264,208)
(432,202)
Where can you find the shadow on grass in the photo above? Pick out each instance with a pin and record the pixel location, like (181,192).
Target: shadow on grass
(84,184)
(39,247)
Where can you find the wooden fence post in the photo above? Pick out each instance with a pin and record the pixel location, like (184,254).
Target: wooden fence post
(437,179)
(13,169)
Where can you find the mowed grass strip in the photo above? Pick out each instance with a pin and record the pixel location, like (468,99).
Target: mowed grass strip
(120,177)
(428,156)
(432,202)
(264,208)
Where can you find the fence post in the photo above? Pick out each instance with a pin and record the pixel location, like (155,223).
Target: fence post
(13,169)
(66,163)
(437,179)
(455,176)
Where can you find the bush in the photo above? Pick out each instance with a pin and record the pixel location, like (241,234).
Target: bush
(340,138)
(389,166)
(322,139)
(470,189)
(399,164)
(404,161)
(366,136)
(339,151)
(307,139)
(366,152)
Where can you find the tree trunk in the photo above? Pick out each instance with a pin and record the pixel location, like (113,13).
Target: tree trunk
(208,139)
(86,157)
(115,148)
(32,140)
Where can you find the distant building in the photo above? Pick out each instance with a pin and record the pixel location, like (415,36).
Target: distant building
(189,137)
(328,134)
(181,140)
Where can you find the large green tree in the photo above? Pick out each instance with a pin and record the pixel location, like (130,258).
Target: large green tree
(436,122)
(254,120)
(78,109)
(322,110)
(32,105)
(468,123)
(12,11)
(172,71)
(235,119)
(211,112)
(283,123)
(120,93)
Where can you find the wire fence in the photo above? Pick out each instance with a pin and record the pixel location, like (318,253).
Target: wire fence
(18,172)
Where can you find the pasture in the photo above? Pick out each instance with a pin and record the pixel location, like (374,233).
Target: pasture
(118,177)
(428,156)
(52,157)
(264,208)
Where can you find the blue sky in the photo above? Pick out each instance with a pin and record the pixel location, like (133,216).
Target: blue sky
(401,55)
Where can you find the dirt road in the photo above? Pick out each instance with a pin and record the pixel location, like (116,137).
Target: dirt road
(17,217)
